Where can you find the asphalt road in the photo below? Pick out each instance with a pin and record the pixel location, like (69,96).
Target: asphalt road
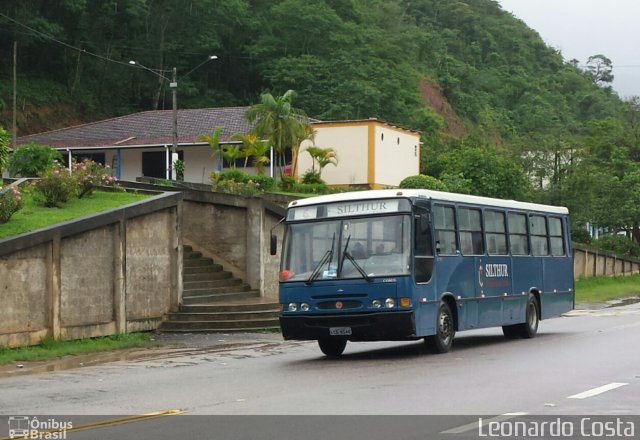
(585,364)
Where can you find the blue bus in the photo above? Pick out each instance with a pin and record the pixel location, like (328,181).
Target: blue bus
(396,265)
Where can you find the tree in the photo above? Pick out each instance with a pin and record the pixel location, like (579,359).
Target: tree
(601,69)
(481,171)
(230,153)
(324,157)
(254,148)
(276,119)
(214,143)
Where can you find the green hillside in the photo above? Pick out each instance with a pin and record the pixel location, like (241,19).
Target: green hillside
(470,76)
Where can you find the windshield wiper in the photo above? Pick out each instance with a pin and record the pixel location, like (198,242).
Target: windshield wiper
(347,255)
(327,257)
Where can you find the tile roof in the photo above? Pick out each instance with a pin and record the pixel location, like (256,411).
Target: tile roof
(146,128)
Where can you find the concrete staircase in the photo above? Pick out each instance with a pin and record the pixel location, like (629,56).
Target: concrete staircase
(213,300)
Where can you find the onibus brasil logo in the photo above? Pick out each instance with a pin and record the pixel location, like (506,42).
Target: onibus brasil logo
(33,428)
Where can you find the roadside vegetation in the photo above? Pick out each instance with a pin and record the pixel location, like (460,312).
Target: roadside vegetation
(58,194)
(32,216)
(50,348)
(602,289)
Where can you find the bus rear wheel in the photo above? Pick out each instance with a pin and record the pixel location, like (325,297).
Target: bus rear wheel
(529,328)
(445,331)
(332,347)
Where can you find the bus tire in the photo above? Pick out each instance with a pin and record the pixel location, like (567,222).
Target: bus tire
(445,330)
(332,347)
(529,328)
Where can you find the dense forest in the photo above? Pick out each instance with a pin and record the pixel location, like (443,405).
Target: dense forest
(493,101)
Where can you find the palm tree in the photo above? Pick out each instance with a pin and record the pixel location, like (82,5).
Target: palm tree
(231,153)
(324,157)
(214,142)
(276,119)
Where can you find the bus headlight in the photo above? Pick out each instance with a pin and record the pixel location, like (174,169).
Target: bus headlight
(293,307)
(390,303)
(376,303)
(304,307)
(405,302)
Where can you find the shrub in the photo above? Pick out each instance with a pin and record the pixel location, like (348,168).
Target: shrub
(55,187)
(10,203)
(30,160)
(312,177)
(423,182)
(238,182)
(178,166)
(287,183)
(4,148)
(580,235)
(89,174)
(618,244)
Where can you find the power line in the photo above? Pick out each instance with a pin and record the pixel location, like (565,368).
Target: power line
(52,38)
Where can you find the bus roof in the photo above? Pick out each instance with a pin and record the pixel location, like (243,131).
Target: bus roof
(430,195)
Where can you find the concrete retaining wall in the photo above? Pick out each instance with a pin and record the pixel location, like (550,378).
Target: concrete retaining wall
(108,273)
(588,262)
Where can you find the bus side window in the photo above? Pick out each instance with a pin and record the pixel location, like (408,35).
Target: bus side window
(518,234)
(445,227)
(556,236)
(423,247)
(496,234)
(538,230)
(470,231)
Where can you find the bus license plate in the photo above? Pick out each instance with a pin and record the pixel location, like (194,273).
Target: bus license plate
(340,331)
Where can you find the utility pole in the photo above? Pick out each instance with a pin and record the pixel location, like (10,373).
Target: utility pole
(174,95)
(14,127)
(173,84)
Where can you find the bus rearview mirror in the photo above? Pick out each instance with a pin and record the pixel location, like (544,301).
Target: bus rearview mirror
(274,244)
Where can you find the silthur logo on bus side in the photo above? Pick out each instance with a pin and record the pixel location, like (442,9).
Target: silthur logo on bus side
(496,270)
(493,271)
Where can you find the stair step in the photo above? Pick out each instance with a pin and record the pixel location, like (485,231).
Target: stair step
(198,262)
(225,282)
(201,269)
(218,297)
(229,308)
(207,276)
(223,324)
(191,255)
(221,290)
(270,329)
(225,316)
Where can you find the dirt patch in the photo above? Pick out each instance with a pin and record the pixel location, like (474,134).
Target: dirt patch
(432,96)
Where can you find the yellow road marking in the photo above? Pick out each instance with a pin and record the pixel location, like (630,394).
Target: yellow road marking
(111,422)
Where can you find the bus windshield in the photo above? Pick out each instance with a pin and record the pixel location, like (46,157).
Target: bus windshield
(373,247)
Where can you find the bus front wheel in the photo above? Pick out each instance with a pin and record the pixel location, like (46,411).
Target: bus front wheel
(332,347)
(445,330)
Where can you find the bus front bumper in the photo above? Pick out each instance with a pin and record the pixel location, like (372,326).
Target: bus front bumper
(388,326)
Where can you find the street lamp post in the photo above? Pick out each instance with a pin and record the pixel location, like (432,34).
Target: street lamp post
(173,85)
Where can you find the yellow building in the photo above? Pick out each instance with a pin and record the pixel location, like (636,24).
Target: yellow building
(370,153)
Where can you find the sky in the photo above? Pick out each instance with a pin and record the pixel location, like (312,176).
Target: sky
(581,28)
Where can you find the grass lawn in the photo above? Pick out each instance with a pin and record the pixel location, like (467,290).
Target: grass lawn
(602,289)
(51,349)
(32,216)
